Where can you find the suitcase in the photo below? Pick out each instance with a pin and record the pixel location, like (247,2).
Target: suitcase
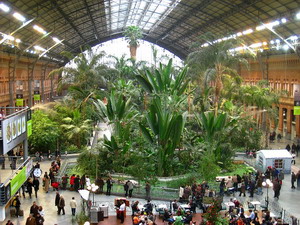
(12,212)
(21,212)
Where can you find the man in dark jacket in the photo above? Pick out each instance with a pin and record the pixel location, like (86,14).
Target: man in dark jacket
(293,179)
(36,185)
(17,204)
(34,210)
(109,185)
(57,198)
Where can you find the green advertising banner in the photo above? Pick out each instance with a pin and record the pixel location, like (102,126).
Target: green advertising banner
(29,128)
(296,110)
(37,97)
(20,102)
(17,181)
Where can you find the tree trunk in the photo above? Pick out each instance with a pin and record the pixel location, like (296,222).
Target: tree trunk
(133,49)
(218,87)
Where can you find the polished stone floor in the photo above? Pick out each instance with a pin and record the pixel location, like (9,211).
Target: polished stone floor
(289,200)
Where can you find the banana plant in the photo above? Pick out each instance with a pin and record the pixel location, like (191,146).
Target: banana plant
(164,132)
(163,81)
(120,114)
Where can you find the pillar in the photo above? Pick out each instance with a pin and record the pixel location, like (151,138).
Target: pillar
(2,213)
(288,123)
(297,127)
(280,121)
(25,150)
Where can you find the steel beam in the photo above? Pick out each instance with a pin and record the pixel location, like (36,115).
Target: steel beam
(91,18)
(65,16)
(237,8)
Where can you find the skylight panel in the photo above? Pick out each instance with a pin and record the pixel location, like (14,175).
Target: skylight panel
(143,13)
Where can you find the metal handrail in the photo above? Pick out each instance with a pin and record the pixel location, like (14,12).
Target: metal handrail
(14,173)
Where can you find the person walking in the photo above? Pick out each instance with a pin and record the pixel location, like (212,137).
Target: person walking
(288,147)
(222,187)
(148,189)
(30,220)
(130,188)
(73,206)
(17,205)
(108,186)
(87,181)
(242,189)
(298,179)
(82,181)
(36,185)
(126,188)
(276,188)
(57,198)
(64,182)
(29,186)
(61,205)
(2,161)
(101,185)
(293,180)
(9,223)
(34,209)
(122,211)
(46,180)
(39,219)
(76,183)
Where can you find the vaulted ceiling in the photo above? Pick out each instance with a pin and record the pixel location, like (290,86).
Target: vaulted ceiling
(172,24)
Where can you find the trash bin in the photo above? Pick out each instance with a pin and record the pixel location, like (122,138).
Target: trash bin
(94,213)
(104,209)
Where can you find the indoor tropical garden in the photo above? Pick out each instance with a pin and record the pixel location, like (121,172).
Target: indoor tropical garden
(185,123)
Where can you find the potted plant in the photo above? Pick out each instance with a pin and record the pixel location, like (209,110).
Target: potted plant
(132,35)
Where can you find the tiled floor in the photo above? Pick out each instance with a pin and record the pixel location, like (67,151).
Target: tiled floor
(289,200)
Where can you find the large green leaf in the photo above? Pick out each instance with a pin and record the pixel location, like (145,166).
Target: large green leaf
(145,84)
(146,133)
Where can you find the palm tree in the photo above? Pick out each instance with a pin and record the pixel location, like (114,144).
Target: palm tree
(216,61)
(76,129)
(132,35)
(85,72)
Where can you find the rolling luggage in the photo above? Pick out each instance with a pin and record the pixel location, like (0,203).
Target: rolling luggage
(12,212)
(21,212)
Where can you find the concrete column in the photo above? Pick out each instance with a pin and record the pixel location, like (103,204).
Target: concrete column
(289,123)
(2,213)
(25,146)
(297,127)
(280,122)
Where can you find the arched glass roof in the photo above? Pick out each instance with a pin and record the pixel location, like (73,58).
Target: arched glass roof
(172,24)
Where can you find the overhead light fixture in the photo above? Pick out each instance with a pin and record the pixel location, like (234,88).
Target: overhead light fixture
(249,31)
(9,37)
(298,15)
(272,42)
(55,39)
(277,41)
(285,47)
(265,43)
(19,17)
(239,34)
(283,20)
(256,45)
(39,29)
(39,48)
(18,40)
(260,27)
(4,7)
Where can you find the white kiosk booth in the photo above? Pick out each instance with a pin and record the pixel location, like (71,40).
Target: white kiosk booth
(279,159)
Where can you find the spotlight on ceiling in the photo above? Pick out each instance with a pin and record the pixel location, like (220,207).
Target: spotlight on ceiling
(39,29)
(19,17)
(4,7)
